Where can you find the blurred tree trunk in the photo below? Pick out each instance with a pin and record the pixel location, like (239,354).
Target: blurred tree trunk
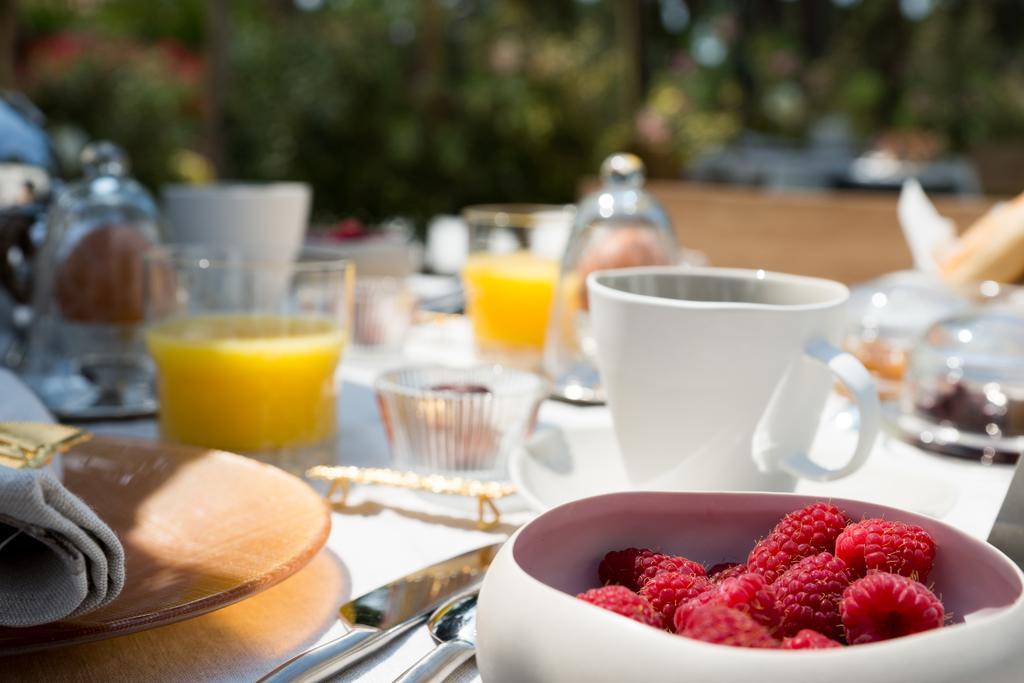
(629,36)
(8,21)
(815,22)
(428,78)
(218,53)
(746,24)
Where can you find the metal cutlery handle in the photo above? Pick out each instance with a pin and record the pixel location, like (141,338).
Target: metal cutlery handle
(439,664)
(333,657)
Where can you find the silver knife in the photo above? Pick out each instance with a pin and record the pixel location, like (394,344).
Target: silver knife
(1008,531)
(380,616)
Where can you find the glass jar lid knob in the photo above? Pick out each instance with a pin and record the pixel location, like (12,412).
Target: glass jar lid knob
(623,169)
(104,158)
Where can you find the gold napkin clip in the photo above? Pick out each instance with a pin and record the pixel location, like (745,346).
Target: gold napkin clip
(31,445)
(486,492)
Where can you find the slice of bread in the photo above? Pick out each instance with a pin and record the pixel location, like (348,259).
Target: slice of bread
(991,249)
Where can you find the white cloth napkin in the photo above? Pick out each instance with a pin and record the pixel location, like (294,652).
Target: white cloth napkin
(925,230)
(57,558)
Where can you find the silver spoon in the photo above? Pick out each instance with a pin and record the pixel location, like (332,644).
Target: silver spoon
(453,627)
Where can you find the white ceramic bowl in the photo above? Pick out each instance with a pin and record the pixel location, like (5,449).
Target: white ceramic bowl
(530,627)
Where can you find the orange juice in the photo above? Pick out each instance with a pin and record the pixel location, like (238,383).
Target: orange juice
(508,297)
(245,382)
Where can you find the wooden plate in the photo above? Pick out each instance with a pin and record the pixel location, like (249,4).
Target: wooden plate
(201,530)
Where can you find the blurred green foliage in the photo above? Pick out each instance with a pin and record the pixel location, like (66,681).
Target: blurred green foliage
(417,107)
(338,104)
(353,97)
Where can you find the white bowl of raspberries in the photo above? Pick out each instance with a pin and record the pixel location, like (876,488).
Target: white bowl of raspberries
(648,586)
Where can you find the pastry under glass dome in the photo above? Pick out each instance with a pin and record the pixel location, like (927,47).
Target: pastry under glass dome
(86,358)
(619,226)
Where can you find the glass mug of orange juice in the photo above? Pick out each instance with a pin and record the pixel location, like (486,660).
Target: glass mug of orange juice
(247,347)
(510,277)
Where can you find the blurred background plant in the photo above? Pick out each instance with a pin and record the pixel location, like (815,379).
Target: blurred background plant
(419,107)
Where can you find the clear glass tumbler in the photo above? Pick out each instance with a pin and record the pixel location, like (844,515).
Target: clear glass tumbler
(510,277)
(247,347)
(384,311)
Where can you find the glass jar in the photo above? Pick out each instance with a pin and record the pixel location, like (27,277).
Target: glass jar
(86,356)
(619,226)
(886,317)
(963,393)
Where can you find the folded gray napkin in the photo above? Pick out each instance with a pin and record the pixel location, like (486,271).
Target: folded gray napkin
(57,558)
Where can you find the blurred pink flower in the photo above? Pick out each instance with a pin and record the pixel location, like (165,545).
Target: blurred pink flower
(506,55)
(652,128)
(62,48)
(682,64)
(782,63)
(727,27)
(55,53)
(184,63)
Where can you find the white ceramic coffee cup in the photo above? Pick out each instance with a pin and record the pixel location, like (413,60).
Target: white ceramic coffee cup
(259,221)
(244,215)
(716,378)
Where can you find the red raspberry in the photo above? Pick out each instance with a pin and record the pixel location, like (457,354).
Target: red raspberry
(621,600)
(892,547)
(668,590)
(649,566)
(747,593)
(726,570)
(882,606)
(799,534)
(687,608)
(633,567)
(807,639)
(809,594)
(725,626)
(619,566)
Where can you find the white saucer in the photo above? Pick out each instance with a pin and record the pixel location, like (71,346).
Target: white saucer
(558,466)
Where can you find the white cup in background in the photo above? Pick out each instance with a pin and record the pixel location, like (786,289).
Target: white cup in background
(261,221)
(716,378)
(246,215)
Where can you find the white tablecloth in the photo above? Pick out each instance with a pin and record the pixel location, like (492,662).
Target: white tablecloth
(387,533)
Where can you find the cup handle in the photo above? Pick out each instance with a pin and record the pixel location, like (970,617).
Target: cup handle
(861,385)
